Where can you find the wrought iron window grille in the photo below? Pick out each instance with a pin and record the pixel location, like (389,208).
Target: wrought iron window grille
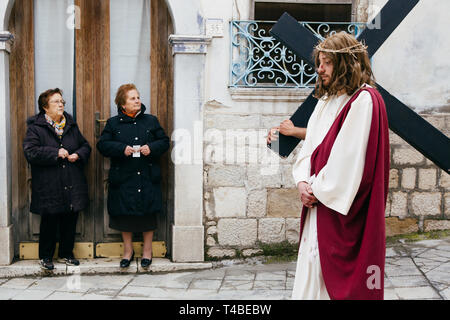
(259,61)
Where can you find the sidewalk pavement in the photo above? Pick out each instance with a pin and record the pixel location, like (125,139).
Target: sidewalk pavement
(417,270)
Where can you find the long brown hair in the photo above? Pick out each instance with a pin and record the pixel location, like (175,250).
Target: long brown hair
(350,70)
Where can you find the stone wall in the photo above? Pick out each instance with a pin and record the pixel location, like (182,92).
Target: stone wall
(252,202)
(419,191)
(249,193)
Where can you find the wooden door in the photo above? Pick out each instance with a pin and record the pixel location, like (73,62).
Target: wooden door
(23,105)
(162,107)
(94,102)
(22,101)
(92,99)
(91,106)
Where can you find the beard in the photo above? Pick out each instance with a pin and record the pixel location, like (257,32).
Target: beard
(325,82)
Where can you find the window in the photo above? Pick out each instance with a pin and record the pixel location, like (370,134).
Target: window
(258,60)
(304,10)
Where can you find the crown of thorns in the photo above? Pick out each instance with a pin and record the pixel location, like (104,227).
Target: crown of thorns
(357,48)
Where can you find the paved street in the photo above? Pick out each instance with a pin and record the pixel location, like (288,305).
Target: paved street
(419,270)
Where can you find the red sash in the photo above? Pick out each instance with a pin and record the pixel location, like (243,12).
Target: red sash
(352,247)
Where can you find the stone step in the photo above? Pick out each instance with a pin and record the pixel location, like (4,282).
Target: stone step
(25,268)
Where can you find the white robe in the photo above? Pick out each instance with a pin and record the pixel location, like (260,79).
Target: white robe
(336,184)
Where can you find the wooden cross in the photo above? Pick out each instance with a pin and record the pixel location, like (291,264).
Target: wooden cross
(411,127)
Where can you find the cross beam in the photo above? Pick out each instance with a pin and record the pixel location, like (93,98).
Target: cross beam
(420,134)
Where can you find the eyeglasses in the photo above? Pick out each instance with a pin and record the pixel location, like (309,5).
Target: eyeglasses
(58,102)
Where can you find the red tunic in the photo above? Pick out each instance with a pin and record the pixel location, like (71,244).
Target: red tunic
(352,247)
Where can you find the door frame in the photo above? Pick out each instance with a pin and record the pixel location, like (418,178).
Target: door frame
(187,17)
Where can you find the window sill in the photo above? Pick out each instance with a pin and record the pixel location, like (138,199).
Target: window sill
(270,94)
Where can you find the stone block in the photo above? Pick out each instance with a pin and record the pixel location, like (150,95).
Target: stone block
(407,155)
(399,205)
(102,265)
(387,211)
(31,268)
(447,204)
(188,194)
(226,176)
(6,245)
(16,283)
(437,121)
(427,179)
(188,243)
(409,178)
(209,212)
(251,252)
(240,146)
(165,265)
(293,230)
(259,178)
(210,241)
(231,121)
(270,276)
(287,180)
(436,225)
(445,293)
(426,203)
(5,218)
(408,281)
(395,226)
(214,147)
(394,139)
(237,232)
(292,158)
(37,295)
(230,202)
(221,253)
(283,203)
(444,180)
(211,230)
(271,121)
(393,178)
(416,293)
(257,203)
(272,230)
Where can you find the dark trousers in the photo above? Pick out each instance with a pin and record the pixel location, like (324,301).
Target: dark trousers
(67,223)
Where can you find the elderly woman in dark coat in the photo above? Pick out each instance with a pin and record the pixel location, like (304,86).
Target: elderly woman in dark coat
(134,141)
(57,153)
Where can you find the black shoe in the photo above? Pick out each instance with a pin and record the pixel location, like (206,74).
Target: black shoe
(145,263)
(46,264)
(69,261)
(125,263)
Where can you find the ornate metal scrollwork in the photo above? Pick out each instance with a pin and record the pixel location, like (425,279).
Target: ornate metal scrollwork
(258,60)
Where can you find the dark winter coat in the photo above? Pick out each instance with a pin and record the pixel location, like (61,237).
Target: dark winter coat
(57,185)
(134,183)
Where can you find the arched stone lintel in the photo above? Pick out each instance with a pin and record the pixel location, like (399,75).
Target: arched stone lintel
(5,10)
(187,16)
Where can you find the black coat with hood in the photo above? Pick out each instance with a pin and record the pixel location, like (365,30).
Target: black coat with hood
(134,182)
(58,186)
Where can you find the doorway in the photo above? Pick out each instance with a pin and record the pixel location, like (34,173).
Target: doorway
(98,60)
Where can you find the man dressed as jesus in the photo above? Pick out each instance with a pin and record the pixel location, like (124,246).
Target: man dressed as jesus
(342,174)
